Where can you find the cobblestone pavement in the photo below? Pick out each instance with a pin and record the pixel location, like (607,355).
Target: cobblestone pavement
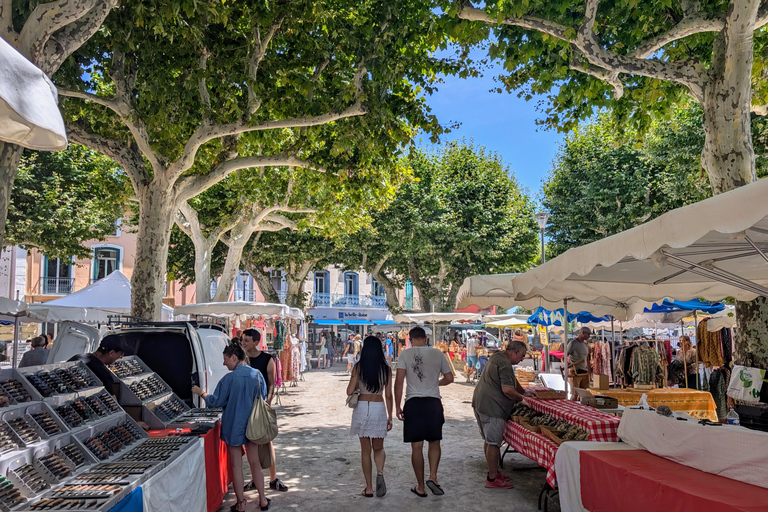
(320,462)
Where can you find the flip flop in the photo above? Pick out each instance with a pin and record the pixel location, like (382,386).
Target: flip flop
(436,489)
(417,493)
(381,486)
(366,494)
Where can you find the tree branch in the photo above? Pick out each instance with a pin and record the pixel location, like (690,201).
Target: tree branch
(259,51)
(202,88)
(760,110)
(45,20)
(585,41)
(71,37)
(192,185)
(125,155)
(100,100)
(6,23)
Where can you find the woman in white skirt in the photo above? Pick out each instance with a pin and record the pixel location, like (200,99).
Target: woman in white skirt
(372,418)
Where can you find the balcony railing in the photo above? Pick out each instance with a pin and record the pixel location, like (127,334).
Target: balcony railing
(56,285)
(340,300)
(410,304)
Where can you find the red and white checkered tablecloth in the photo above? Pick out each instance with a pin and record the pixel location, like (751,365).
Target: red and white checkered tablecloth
(536,447)
(601,426)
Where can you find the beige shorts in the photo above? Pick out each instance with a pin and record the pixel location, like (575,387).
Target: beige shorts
(491,429)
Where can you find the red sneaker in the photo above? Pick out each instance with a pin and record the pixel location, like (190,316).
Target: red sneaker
(498,483)
(501,476)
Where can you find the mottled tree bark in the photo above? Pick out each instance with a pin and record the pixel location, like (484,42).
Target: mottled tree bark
(10,154)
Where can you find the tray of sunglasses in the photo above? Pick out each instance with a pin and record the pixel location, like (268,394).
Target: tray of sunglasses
(111,437)
(129,366)
(94,491)
(65,504)
(28,478)
(156,449)
(102,478)
(9,440)
(54,466)
(193,417)
(87,410)
(166,409)
(149,388)
(119,469)
(45,417)
(24,426)
(15,386)
(75,453)
(10,495)
(60,379)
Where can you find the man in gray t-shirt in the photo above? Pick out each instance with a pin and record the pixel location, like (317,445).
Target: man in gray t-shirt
(424,369)
(581,367)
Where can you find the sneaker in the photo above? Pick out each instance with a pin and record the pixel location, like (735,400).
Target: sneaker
(498,483)
(501,476)
(278,485)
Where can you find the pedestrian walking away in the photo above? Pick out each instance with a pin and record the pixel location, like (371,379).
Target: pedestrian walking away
(372,418)
(265,364)
(497,391)
(423,369)
(236,393)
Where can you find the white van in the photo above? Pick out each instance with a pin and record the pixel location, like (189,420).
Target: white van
(181,353)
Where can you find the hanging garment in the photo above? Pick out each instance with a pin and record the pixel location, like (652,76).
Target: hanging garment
(279,341)
(645,366)
(295,358)
(278,370)
(606,350)
(718,385)
(285,359)
(727,341)
(668,350)
(709,345)
(627,367)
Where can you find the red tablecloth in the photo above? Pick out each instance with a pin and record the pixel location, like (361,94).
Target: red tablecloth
(218,474)
(536,447)
(601,426)
(638,481)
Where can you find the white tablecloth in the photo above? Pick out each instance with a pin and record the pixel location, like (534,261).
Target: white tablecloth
(180,486)
(568,471)
(730,451)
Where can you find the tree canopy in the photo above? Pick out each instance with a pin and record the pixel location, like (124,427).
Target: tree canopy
(603,182)
(462,214)
(60,200)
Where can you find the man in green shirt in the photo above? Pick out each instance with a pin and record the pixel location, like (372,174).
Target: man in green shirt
(496,393)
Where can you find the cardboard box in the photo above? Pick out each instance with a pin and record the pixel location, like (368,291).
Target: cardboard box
(600,382)
(596,401)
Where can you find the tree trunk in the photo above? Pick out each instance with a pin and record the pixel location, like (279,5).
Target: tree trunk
(10,154)
(203,250)
(237,241)
(265,284)
(156,211)
(728,156)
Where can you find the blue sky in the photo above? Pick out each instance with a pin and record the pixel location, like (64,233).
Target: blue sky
(502,123)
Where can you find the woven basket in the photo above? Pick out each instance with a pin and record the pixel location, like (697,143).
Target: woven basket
(527,426)
(551,434)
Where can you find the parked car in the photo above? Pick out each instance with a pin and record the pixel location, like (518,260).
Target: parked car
(181,353)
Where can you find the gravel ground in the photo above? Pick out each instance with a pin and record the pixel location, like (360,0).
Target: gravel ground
(320,462)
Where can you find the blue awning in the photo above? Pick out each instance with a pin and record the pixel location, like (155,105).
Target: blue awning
(327,322)
(544,317)
(383,322)
(358,322)
(690,305)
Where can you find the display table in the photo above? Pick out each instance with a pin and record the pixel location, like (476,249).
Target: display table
(601,426)
(698,404)
(536,447)
(178,487)
(638,481)
(730,451)
(218,473)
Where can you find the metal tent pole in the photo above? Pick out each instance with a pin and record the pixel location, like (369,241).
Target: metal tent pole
(685,363)
(613,347)
(16,325)
(696,353)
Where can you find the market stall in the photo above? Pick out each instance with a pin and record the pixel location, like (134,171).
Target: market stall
(698,404)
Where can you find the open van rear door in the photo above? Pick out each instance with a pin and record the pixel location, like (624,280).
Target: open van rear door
(73,338)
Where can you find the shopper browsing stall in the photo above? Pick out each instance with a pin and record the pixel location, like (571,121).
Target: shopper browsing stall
(39,353)
(496,393)
(265,364)
(236,393)
(423,369)
(581,365)
(372,418)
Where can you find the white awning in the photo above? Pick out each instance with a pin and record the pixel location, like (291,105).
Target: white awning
(420,318)
(238,308)
(712,249)
(46,312)
(509,322)
(29,111)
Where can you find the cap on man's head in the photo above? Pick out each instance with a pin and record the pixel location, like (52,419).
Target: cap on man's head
(111,343)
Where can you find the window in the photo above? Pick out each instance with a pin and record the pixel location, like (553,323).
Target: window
(277,279)
(322,282)
(244,287)
(376,288)
(56,276)
(408,295)
(116,232)
(350,283)
(106,259)
(214,287)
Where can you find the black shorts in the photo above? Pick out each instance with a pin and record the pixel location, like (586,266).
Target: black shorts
(423,420)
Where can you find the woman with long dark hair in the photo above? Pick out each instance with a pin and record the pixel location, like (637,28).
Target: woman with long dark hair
(372,418)
(236,393)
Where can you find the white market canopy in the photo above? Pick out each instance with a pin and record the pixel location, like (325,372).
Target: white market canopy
(29,112)
(509,322)
(241,309)
(110,295)
(713,249)
(44,312)
(10,309)
(421,318)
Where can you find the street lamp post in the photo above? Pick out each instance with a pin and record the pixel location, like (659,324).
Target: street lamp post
(542,218)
